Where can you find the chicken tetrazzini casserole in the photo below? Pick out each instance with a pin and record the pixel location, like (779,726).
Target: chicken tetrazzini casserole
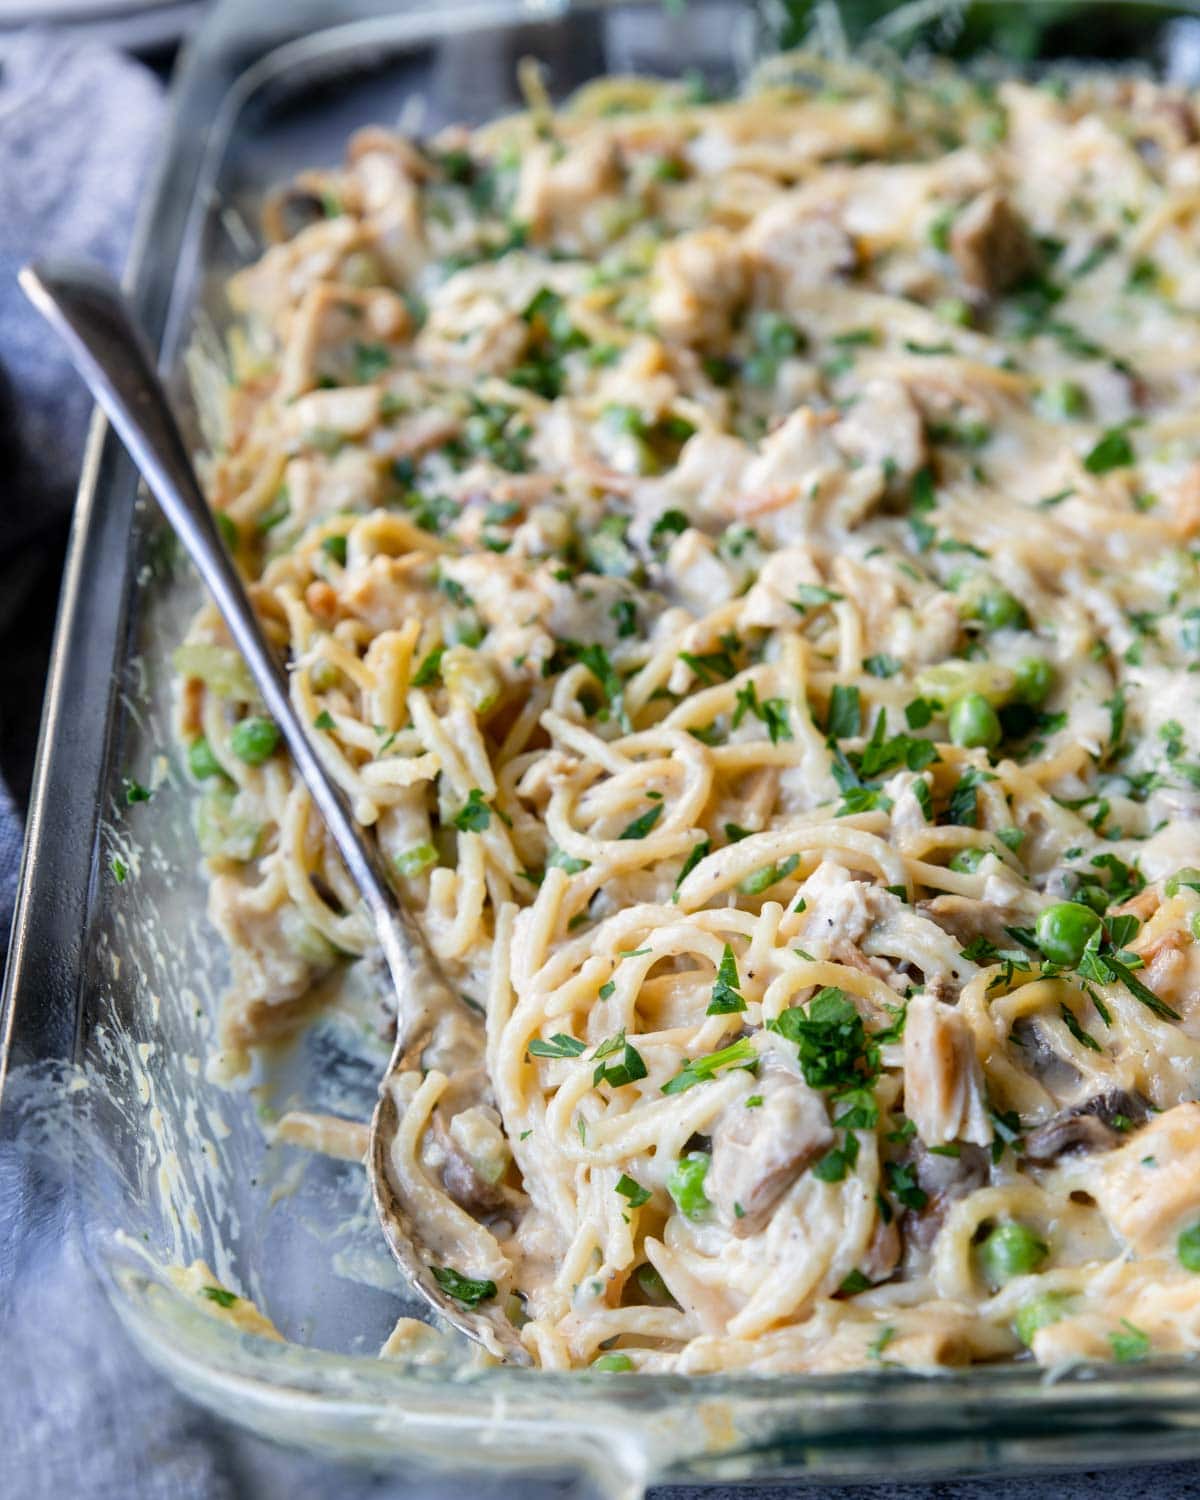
(740,558)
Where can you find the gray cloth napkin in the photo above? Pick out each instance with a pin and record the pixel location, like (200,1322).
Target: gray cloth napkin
(78,129)
(80,1414)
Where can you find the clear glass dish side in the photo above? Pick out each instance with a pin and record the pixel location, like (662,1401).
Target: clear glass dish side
(130,968)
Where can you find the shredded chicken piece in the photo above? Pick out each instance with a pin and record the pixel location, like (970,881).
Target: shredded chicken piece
(701,279)
(1152,1184)
(796,245)
(943,1082)
(884,427)
(759,1151)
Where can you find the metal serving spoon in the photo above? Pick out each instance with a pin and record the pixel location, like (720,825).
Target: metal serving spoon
(433,1024)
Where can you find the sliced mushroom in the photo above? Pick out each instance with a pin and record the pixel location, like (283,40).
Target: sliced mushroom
(990,244)
(943,1180)
(1086,1128)
(1054,1072)
(965,918)
(883,1253)
(758,1151)
(473,1158)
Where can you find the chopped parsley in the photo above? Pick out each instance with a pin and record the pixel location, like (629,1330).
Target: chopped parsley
(1129,1345)
(725,997)
(630,1068)
(710,666)
(738,1054)
(813,596)
(595,659)
(760,880)
(845,712)
(963,807)
(624,613)
(834,1047)
(465,1289)
(773,712)
(1071,1021)
(561,1044)
(556,859)
(632,1190)
(1112,451)
(335,547)
(430,669)
(699,851)
(904,1186)
(643,823)
(474,815)
(370,362)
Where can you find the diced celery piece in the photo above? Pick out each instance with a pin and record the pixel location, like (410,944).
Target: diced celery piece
(417,860)
(220,668)
(222,830)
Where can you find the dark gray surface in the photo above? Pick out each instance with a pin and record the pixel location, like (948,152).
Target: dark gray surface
(81,1416)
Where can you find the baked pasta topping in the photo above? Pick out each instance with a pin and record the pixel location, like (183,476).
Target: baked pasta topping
(740,558)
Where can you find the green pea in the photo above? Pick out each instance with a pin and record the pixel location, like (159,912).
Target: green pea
(686,1183)
(1040,1312)
(1035,678)
(967,861)
(1093,895)
(985,600)
(997,609)
(973,721)
(202,763)
(1012,1249)
(255,740)
(1187,1247)
(613,1363)
(1064,931)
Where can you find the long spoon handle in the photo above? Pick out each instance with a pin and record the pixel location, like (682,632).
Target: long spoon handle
(89,312)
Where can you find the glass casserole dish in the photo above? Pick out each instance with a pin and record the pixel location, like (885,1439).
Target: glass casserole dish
(111,926)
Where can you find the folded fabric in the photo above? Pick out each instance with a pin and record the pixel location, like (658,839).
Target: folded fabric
(79,126)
